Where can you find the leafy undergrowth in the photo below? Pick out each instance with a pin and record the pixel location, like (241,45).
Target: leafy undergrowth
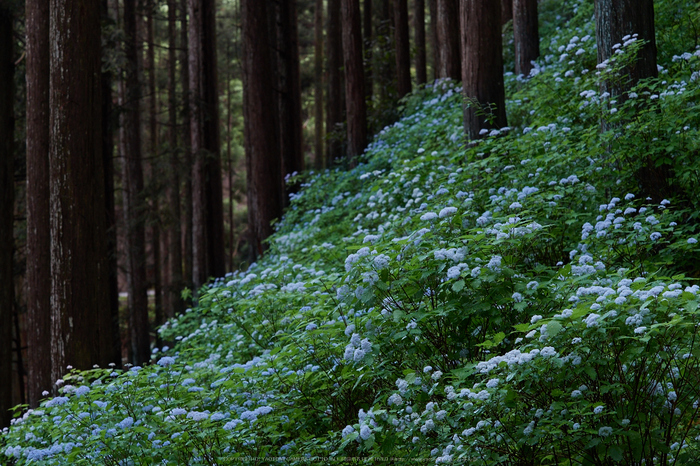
(522,301)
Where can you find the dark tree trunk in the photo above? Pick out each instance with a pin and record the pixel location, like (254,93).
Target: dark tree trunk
(153,166)
(526,35)
(419,27)
(173,192)
(334,104)
(289,95)
(367,38)
(385,65)
(482,66)
(187,162)
(262,148)
(207,198)
(108,160)
(214,189)
(7,202)
(38,229)
(618,18)
(133,193)
(81,328)
(448,34)
(506,10)
(318,86)
(434,42)
(197,109)
(403,48)
(355,105)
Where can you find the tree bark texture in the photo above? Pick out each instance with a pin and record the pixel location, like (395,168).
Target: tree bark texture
(289,86)
(110,211)
(134,202)
(355,105)
(526,35)
(448,35)
(403,48)
(262,148)
(419,34)
(368,44)
(187,159)
(159,266)
(482,66)
(318,86)
(618,18)
(174,231)
(7,187)
(385,65)
(38,206)
(434,43)
(334,103)
(81,329)
(506,11)
(207,198)
(214,188)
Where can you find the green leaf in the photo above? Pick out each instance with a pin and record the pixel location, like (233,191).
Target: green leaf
(553,328)
(615,453)
(458,286)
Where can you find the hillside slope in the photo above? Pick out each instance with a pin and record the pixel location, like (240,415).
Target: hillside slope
(521,301)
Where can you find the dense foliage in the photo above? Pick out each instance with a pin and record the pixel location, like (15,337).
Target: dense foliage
(529,299)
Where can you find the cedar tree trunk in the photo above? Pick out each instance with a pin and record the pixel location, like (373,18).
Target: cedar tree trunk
(334,103)
(318,85)
(419,28)
(482,66)
(262,148)
(7,186)
(355,104)
(448,34)
(526,35)
(38,228)
(403,48)
(81,327)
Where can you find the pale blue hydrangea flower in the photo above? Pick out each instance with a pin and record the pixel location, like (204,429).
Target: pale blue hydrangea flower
(365,432)
(166,361)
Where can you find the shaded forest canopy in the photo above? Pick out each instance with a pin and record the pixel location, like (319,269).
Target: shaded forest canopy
(528,295)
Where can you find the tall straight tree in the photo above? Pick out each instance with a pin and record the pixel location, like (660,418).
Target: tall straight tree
(419,34)
(289,88)
(385,63)
(526,35)
(264,175)
(355,104)
(403,48)
(334,102)
(7,187)
(318,85)
(174,230)
(506,10)
(482,66)
(134,214)
(187,160)
(207,190)
(434,43)
(38,230)
(616,19)
(448,36)
(81,327)
(367,39)
(159,269)
(108,127)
